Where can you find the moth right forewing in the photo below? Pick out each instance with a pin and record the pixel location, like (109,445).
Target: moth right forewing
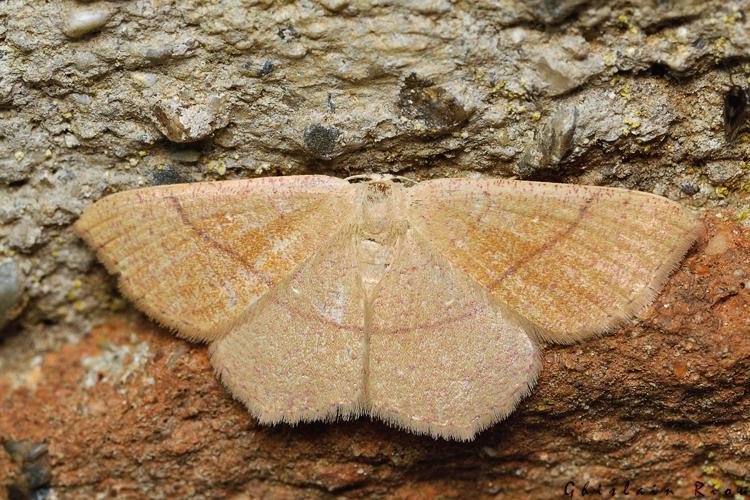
(572,260)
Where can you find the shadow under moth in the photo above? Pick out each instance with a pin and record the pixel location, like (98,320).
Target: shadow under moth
(422,305)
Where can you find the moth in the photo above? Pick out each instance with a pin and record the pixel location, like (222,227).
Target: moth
(423,305)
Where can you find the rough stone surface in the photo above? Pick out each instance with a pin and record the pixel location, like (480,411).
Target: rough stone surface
(551,145)
(152,92)
(11,287)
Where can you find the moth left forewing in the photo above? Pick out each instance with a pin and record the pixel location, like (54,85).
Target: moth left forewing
(571,260)
(194,256)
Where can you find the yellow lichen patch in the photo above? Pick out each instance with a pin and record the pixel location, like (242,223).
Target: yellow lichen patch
(720,44)
(72,295)
(633,123)
(117,304)
(742,215)
(715,483)
(733,17)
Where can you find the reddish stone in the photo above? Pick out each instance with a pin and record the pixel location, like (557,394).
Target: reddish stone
(660,403)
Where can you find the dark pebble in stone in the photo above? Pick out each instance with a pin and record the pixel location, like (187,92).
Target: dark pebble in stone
(167,175)
(321,140)
(689,189)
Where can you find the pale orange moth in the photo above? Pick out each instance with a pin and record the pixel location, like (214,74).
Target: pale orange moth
(422,305)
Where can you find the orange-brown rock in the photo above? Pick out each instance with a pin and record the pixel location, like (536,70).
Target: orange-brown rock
(133,412)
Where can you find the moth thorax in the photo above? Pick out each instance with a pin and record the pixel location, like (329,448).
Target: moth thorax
(379,231)
(378,210)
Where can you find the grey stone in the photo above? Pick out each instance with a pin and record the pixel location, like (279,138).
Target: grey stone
(182,124)
(689,188)
(33,458)
(723,171)
(557,81)
(552,11)
(82,21)
(167,175)
(11,289)
(553,142)
(24,235)
(185,155)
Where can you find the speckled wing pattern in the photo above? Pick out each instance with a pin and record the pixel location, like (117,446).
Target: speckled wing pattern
(444,358)
(572,260)
(421,305)
(299,353)
(195,256)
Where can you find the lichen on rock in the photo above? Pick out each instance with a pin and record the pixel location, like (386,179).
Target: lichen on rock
(321,140)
